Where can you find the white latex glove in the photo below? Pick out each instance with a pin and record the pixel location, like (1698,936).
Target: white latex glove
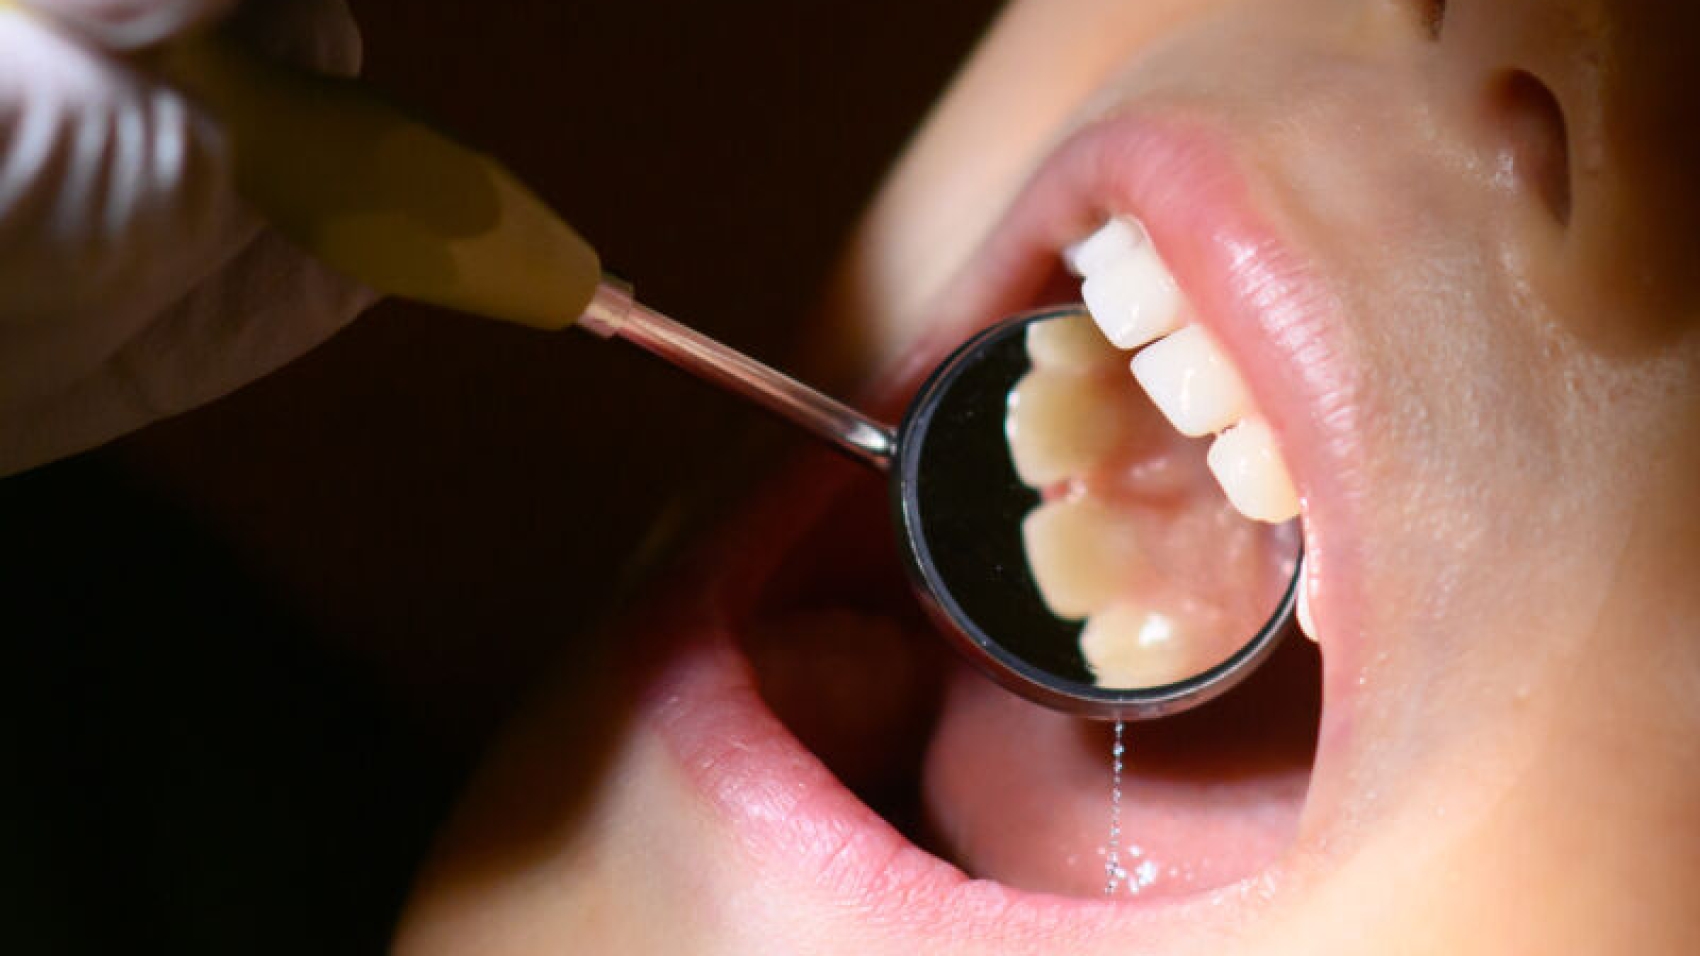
(134,283)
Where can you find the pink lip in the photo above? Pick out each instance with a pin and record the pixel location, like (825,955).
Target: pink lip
(796,822)
(1266,307)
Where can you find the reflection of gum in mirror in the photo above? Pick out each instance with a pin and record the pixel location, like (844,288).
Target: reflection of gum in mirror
(1133,536)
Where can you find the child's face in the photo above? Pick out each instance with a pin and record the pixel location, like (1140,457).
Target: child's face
(1451,247)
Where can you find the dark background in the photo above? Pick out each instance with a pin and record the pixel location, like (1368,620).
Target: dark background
(251,653)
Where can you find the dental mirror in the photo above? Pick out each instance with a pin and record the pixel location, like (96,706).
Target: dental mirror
(979,541)
(1136,623)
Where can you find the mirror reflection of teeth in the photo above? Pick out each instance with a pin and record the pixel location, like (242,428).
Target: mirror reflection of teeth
(1135,302)
(1083,553)
(1070,346)
(1130,645)
(1119,489)
(1062,425)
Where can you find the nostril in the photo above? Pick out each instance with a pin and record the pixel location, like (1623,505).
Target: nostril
(1430,14)
(1534,146)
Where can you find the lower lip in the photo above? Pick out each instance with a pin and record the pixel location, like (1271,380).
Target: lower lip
(795,819)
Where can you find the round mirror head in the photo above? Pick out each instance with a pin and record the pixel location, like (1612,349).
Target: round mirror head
(1073,544)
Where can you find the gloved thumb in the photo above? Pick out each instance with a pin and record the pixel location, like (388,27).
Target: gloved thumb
(129,24)
(133,282)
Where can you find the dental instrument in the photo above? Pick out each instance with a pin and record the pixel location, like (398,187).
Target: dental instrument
(394,203)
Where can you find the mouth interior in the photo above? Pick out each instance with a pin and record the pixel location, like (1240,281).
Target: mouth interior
(1002,788)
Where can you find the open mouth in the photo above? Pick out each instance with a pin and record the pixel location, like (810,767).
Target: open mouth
(819,717)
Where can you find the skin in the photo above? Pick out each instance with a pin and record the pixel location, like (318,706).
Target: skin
(1516,290)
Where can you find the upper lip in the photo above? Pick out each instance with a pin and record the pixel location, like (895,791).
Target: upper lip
(1261,301)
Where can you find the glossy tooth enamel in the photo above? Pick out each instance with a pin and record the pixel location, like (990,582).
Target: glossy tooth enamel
(1112,241)
(1082,554)
(1249,469)
(1062,424)
(1128,645)
(1132,296)
(1071,346)
(1307,624)
(1191,382)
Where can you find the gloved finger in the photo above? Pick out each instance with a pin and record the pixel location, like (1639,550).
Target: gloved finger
(129,24)
(115,198)
(269,307)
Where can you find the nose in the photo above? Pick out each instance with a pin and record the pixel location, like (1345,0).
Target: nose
(1506,62)
(1581,112)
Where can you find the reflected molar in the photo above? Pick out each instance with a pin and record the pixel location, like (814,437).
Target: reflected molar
(1064,424)
(1071,346)
(1128,645)
(1135,301)
(1082,553)
(1121,494)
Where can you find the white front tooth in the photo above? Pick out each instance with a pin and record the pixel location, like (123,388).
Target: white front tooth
(1191,381)
(1133,297)
(1253,476)
(1307,624)
(1113,240)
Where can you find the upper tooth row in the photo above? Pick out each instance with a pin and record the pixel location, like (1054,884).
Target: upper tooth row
(1134,300)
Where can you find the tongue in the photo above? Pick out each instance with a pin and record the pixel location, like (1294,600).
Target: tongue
(859,690)
(1021,794)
